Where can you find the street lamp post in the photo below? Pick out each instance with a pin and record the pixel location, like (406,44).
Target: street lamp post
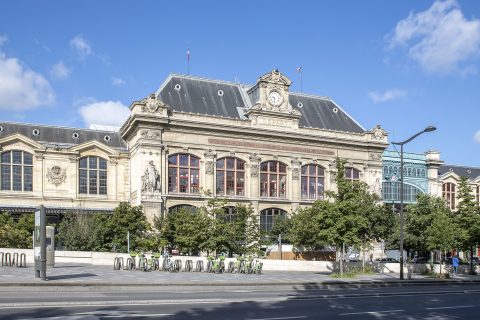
(427,129)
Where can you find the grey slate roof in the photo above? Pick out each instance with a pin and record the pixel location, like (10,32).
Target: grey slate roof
(198,95)
(61,136)
(470,172)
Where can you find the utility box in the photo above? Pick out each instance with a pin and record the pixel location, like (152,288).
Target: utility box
(50,239)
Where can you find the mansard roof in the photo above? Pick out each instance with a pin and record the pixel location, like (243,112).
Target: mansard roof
(229,99)
(62,137)
(462,171)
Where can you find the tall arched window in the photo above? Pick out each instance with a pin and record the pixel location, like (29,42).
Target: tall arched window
(229,214)
(230,177)
(183,173)
(448,193)
(354,174)
(313,181)
(273,179)
(268,216)
(92,172)
(17,171)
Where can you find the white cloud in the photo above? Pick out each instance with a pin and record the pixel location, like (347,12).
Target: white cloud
(60,71)
(110,113)
(476,136)
(439,39)
(388,95)
(3,39)
(118,81)
(81,46)
(22,88)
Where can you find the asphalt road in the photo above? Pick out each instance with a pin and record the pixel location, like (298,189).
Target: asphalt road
(453,301)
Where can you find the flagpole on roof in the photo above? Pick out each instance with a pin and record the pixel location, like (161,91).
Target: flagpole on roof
(299,70)
(188,61)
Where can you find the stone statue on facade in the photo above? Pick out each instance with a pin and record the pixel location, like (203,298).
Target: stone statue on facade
(151,179)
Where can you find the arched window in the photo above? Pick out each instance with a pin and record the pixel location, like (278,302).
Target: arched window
(448,193)
(409,172)
(390,170)
(353,174)
(423,172)
(229,214)
(391,192)
(268,216)
(313,181)
(385,170)
(92,172)
(395,169)
(17,171)
(273,179)
(175,209)
(230,177)
(183,173)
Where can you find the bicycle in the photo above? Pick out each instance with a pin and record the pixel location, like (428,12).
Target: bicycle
(142,262)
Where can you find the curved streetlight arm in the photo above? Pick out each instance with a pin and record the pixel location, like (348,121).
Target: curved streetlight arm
(427,129)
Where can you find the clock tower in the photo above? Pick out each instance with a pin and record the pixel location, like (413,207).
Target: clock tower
(270,102)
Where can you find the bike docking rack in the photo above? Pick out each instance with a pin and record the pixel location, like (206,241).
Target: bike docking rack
(13,260)
(166,263)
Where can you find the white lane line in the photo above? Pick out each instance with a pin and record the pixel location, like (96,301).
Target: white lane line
(281,318)
(451,307)
(370,312)
(138,315)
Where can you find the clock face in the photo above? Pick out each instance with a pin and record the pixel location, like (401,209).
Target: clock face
(275,98)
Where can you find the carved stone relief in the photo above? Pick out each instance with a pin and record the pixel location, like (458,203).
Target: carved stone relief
(151,179)
(56,175)
(150,134)
(209,167)
(296,169)
(379,133)
(152,104)
(254,164)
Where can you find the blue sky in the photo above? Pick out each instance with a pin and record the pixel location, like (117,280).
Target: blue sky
(402,64)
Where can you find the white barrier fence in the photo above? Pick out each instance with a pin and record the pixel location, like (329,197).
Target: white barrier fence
(107,258)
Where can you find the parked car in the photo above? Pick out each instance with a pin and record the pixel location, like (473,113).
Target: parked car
(420,260)
(386,260)
(353,257)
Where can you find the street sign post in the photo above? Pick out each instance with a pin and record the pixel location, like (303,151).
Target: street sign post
(40,244)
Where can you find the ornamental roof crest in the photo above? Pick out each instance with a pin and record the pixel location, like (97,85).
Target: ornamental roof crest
(275,77)
(152,104)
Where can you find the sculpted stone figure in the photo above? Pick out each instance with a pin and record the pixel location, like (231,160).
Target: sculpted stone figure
(151,179)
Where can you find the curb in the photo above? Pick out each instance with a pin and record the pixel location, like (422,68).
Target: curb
(306,285)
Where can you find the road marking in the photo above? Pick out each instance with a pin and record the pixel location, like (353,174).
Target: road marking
(281,318)
(138,315)
(370,312)
(452,307)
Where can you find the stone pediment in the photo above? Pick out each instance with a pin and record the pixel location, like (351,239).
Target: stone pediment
(275,77)
(151,105)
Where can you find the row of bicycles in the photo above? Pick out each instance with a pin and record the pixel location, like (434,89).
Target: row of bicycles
(165,262)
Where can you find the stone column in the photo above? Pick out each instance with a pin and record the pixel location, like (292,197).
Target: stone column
(296,187)
(254,177)
(209,183)
(73,176)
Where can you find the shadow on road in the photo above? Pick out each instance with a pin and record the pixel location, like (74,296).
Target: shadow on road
(71,276)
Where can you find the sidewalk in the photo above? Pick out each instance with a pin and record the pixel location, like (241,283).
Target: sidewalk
(94,275)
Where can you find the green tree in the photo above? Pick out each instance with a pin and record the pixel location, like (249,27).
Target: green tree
(418,217)
(469,218)
(75,231)
(444,233)
(16,234)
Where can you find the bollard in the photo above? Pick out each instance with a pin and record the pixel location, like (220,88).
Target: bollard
(1,258)
(23,261)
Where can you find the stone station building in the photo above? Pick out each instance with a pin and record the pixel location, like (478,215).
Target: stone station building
(194,138)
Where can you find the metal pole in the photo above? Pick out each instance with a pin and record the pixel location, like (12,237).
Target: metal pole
(401,212)
(128,241)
